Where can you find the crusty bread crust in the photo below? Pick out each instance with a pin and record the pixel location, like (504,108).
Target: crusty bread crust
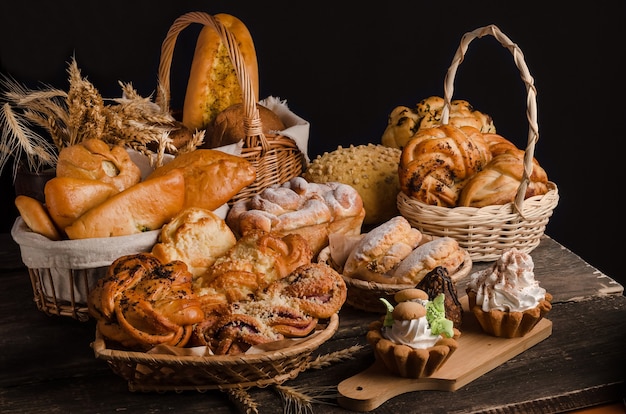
(143,207)
(212,177)
(68,198)
(213,85)
(36,216)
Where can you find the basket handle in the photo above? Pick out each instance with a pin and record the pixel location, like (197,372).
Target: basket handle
(531,100)
(252,119)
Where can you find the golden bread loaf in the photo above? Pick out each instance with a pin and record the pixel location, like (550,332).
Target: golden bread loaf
(436,162)
(371,169)
(212,177)
(36,217)
(68,198)
(143,207)
(228,126)
(94,159)
(404,122)
(213,85)
(195,236)
(311,210)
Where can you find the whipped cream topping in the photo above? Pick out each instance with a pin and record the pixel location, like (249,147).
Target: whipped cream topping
(508,285)
(415,333)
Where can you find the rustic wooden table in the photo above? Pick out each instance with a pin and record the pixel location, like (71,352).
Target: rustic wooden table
(47,365)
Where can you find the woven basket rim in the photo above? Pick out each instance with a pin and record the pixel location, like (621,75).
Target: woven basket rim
(486,211)
(308,344)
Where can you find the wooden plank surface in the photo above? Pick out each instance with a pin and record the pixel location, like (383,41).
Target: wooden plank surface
(47,365)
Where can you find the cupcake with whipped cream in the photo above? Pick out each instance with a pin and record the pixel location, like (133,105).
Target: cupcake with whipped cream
(414,339)
(506,298)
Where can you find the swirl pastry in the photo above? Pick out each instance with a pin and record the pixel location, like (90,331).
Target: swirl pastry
(436,162)
(314,288)
(141,302)
(254,262)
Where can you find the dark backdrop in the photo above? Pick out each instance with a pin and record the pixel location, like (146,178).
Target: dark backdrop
(345,68)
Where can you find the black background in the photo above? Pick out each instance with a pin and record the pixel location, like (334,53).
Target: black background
(344,67)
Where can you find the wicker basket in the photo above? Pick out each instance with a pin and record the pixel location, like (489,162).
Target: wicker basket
(365,296)
(63,272)
(277,158)
(488,231)
(167,372)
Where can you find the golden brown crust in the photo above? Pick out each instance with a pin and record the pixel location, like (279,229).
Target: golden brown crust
(253,263)
(141,302)
(499,180)
(314,288)
(405,122)
(509,324)
(36,217)
(212,177)
(381,250)
(437,161)
(213,85)
(408,362)
(372,170)
(443,251)
(195,236)
(68,198)
(143,207)
(228,126)
(93,159)
(298,207)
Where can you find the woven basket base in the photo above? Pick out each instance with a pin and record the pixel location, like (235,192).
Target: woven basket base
(161,372)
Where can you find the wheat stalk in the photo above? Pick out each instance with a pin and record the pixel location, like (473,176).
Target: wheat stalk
(325,360)
(300,400)
(81,113)
(242,400)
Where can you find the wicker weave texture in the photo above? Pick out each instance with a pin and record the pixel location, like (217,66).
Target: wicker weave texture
(161,372)
(276,158)
(488,231)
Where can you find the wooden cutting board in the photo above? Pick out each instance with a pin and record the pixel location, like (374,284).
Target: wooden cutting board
(477,354)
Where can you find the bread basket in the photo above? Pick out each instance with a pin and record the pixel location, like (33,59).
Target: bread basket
(276,157)
(365,295)
(63,272)
(168,372)
(488,231)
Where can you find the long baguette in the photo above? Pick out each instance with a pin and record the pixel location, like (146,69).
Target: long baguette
(213,85)
(143,207)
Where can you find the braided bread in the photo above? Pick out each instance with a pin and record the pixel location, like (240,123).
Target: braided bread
(436,162)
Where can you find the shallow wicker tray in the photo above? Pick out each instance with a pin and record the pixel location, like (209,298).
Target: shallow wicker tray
(366,295)
(164,372)
(488,231)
